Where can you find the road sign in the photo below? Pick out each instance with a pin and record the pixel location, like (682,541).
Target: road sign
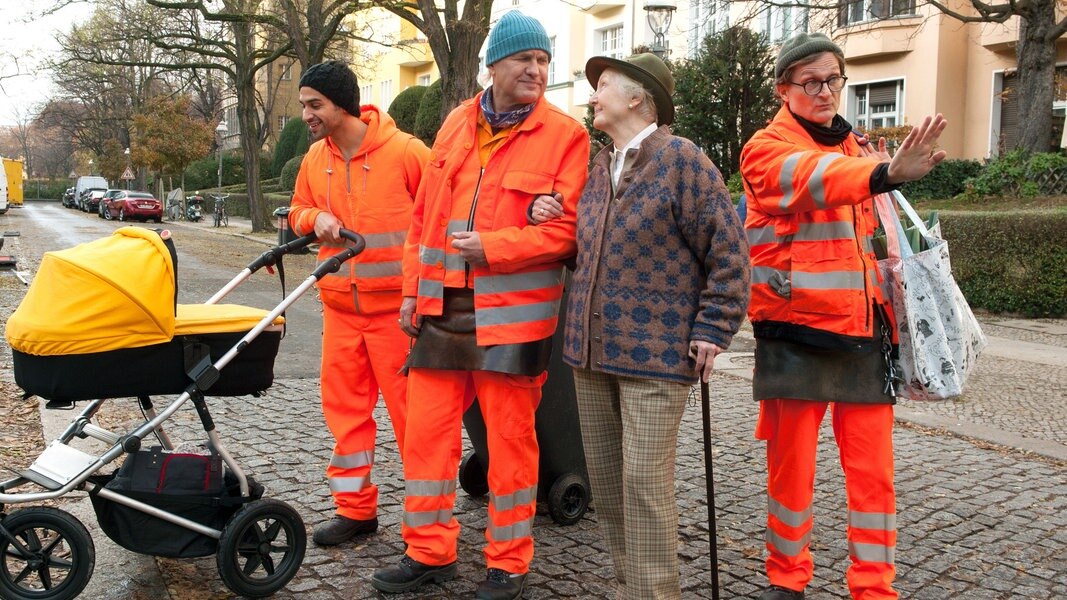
(127,174)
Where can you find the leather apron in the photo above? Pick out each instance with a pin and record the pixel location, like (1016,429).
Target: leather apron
(449,342)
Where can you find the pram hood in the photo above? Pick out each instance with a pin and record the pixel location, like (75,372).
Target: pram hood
(111,293)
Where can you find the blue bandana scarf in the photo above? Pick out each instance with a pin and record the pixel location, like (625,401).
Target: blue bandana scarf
(505,119)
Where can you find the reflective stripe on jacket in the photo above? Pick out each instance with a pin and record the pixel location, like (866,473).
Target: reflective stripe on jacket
(516,298)
(809,225)
(372,194)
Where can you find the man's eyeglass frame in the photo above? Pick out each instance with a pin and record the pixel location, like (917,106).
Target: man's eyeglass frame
(814,87)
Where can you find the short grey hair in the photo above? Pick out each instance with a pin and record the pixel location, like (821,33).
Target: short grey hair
(646,106)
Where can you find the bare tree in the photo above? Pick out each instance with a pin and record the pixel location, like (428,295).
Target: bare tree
(455,38)
(1035,56)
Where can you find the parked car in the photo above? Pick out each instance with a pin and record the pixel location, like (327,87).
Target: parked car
(92,200)
(68,198)
(108,197)
(83,198)
(135,205)
(87,182)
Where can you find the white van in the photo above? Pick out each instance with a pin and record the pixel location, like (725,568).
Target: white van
(88,182)
(3,191)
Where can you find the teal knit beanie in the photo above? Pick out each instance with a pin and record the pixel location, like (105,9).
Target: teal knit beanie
(515,32)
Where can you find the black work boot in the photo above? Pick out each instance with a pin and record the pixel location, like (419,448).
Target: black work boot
(410,574)
(780,593)
(501,585)
(341,529)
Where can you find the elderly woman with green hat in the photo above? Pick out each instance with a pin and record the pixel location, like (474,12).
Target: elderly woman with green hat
(822,325)
(659,290)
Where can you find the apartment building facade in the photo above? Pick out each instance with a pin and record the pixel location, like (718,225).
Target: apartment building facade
(905,59)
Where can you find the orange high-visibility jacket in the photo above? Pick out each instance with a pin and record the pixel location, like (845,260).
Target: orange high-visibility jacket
(809,225)
(516,299)
(372,194)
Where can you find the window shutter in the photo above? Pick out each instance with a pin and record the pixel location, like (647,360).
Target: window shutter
(1009,114)
(884,93)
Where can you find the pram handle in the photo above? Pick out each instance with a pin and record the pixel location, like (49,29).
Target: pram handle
(333,264)
(272,256)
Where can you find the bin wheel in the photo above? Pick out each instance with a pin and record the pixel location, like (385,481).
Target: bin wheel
(472,477)
(47,556)
(568,499)
(261,548)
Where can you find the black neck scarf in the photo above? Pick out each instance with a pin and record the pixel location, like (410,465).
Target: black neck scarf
(833,135)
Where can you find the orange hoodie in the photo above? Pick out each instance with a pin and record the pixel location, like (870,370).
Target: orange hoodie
(372,194)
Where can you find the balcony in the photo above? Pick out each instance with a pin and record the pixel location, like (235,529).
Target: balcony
(598,7)
(875,39)
(999,37)
(414,53)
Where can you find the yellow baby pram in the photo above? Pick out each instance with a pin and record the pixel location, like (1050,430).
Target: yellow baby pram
(101,320)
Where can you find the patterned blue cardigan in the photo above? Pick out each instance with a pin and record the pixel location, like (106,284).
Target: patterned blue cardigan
(663,262)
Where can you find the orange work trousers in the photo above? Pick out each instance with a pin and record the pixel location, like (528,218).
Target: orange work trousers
(436,399)
(864,434)
(360,354)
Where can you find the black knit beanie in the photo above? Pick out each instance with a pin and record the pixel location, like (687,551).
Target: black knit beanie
(336,81)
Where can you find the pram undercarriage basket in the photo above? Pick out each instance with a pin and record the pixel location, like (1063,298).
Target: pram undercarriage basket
(87,319)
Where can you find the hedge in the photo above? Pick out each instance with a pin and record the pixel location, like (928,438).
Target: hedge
(405,107)
(428,119)
(947,180)
(292,141)
(287,180)
(1012,261)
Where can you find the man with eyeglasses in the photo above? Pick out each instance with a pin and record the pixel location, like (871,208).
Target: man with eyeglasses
(819,316)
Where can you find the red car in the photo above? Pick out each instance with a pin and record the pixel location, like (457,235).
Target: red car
(134,205)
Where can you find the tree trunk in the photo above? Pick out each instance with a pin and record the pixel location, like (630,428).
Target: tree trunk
(1036,57)
(250,131)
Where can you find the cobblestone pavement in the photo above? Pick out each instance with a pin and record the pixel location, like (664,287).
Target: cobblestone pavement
(974,520)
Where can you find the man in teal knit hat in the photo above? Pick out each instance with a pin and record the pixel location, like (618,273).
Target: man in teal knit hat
(482,290)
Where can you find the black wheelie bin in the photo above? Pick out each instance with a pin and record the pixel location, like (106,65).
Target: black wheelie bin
(563,483)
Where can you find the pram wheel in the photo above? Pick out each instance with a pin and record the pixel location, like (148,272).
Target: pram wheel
(47,555)
(472,477)
(261,548)
(568,499)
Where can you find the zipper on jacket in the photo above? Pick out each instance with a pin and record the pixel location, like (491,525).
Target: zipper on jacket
(470,224)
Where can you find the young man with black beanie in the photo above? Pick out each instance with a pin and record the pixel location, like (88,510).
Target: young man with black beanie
(360,174)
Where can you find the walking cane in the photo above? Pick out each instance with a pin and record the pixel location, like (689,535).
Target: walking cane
(705,406)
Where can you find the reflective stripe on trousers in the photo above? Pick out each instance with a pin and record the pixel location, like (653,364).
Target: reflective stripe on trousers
(360,354)
(864,437)
(508,403)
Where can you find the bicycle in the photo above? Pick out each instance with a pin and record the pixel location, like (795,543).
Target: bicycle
(221,218)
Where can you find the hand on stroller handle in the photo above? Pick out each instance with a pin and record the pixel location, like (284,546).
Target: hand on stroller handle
(333,264)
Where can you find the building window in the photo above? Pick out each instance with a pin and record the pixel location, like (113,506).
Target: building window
(282,121)
(780,23)
(287,72)
(552,63)
(610,42)
(877,104)
(859,11)
(424,80)
(365,92)
(387,93)
(708,18)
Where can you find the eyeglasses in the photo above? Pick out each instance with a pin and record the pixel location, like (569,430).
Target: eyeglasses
(814,87)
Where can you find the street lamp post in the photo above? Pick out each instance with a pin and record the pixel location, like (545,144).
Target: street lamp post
(90,166)
(659,20)
(127,153)
(221,131)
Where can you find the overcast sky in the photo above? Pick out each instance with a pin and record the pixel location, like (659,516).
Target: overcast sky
(23,34)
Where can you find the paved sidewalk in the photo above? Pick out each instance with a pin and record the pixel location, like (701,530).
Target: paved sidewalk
(976,519)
